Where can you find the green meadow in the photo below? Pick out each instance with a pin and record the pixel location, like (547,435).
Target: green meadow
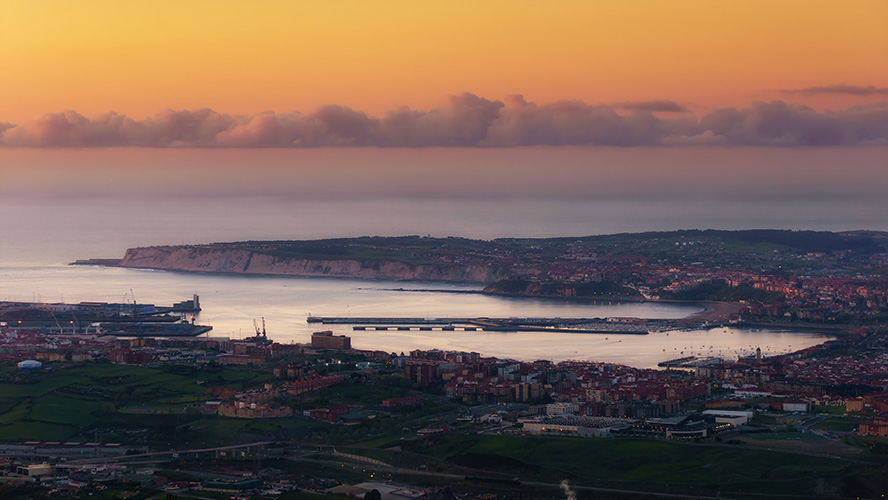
(659,465)
(75,402)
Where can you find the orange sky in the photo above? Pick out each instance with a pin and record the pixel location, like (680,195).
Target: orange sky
(139,57)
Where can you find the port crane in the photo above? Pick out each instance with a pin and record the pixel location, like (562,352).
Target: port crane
(260,334)
(132,295)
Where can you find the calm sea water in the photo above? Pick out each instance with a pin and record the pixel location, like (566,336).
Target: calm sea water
(231,303)
(59,206)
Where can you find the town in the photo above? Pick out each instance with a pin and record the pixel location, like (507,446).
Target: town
(88,413)
(130,399)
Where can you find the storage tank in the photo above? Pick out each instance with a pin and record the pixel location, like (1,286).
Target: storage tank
(30,364)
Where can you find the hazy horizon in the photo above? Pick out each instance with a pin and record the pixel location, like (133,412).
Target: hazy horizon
(453,173)
(61,205)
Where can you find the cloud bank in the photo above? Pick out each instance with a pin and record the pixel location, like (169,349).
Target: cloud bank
(661,106)
(465,120)
(841,89)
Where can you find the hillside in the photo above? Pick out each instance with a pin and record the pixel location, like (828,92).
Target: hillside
(655,261)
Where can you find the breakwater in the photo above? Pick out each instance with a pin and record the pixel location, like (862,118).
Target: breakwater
(632,326)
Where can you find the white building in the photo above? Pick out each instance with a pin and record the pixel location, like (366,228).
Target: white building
(797,406)
(35,470)
(562,409)
(733,417)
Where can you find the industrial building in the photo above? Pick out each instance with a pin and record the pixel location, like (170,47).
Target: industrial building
(326,340)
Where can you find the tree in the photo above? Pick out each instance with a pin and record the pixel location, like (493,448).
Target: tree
(373,494)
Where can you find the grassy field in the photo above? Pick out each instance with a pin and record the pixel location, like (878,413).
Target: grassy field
(70,402)
(60,409)
(20,410)
(840,424)
(38,430)
(832,410)
(666,465)
(158,407)
(776,436)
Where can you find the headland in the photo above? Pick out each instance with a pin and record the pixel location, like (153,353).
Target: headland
(766,276)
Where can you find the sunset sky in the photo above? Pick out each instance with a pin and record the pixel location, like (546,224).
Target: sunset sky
(676,59)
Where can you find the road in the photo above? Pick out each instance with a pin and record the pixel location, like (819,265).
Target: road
(160,454)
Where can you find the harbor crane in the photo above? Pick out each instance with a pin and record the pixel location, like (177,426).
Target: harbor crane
(259,333)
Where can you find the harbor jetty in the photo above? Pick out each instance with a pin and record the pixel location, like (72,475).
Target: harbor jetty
(616,326)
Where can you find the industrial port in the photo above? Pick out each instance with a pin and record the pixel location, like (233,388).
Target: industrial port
(125,319)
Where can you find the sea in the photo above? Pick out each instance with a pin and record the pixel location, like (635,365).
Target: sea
(57,206)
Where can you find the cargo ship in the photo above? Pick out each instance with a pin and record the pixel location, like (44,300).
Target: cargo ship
(123,319)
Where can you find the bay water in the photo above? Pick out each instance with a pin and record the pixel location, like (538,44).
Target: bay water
(62,205)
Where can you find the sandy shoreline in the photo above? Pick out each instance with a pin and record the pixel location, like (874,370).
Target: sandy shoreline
(716,312)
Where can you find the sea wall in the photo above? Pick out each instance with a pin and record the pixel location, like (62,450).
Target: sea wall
(240,261)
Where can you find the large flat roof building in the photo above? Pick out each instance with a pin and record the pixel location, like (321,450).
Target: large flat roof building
(326,340)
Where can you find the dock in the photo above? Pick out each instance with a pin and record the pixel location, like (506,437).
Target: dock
(677,362)
(485,324)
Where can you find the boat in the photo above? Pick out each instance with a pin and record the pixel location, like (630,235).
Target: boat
(261,337)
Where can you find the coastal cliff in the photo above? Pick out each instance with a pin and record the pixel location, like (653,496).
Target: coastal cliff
(242,261)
